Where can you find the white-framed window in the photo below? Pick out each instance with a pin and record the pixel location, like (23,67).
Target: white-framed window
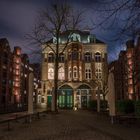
(61,58)
(98,73)
(75,72)
(97,57)
(88,73)
(61,74)
(51,58)
(87,57)
(75,37)
(50,73)
(39,98)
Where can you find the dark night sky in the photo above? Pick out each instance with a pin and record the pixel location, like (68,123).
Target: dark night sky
(17,18)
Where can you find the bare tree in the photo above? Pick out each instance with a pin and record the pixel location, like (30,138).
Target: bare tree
(121,16)
(53,21)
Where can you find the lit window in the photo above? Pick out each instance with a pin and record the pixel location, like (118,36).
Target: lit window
(39,98)
(75,72)
(98,73)
(51,73)
(88,73)
(61,74)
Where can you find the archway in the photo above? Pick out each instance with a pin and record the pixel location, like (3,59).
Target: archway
(65,97)
(83,95)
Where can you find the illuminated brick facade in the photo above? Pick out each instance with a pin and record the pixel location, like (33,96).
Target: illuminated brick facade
(5,75)
(14,78)
(127,72)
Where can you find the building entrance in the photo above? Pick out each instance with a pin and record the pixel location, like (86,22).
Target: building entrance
(84,96)
(65,97)
(84,101)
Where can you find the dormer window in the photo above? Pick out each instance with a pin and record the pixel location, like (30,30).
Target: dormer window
(75,37)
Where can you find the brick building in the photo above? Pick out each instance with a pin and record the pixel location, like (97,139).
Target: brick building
(126,72)
(5,75)
(14,78)
(82,67)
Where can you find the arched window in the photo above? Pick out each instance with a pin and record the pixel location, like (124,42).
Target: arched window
(75,37)
(50,57)
(61,74)
(87,57)
(75,72)
(61,58)
(51,73)
(88,73)
(98,57)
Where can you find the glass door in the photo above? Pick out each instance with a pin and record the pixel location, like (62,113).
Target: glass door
(69,99)
(84,101)
(65,99)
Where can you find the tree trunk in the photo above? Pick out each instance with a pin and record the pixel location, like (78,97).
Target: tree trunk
(55,91)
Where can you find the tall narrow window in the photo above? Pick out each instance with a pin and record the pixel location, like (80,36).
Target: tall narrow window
(87,57)
(61,58)
(51,73)
(98,57)
(50,57)
(98,73)
(75,72)
(88,73)
(61,74)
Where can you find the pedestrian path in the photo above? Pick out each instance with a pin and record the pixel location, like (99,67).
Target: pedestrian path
(70,125)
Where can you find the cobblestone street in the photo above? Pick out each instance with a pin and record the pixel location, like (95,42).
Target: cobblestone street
(69,125)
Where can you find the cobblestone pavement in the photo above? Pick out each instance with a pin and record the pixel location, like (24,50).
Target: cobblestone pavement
(69,125)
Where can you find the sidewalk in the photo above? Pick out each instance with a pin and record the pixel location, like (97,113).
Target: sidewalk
(71,125)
